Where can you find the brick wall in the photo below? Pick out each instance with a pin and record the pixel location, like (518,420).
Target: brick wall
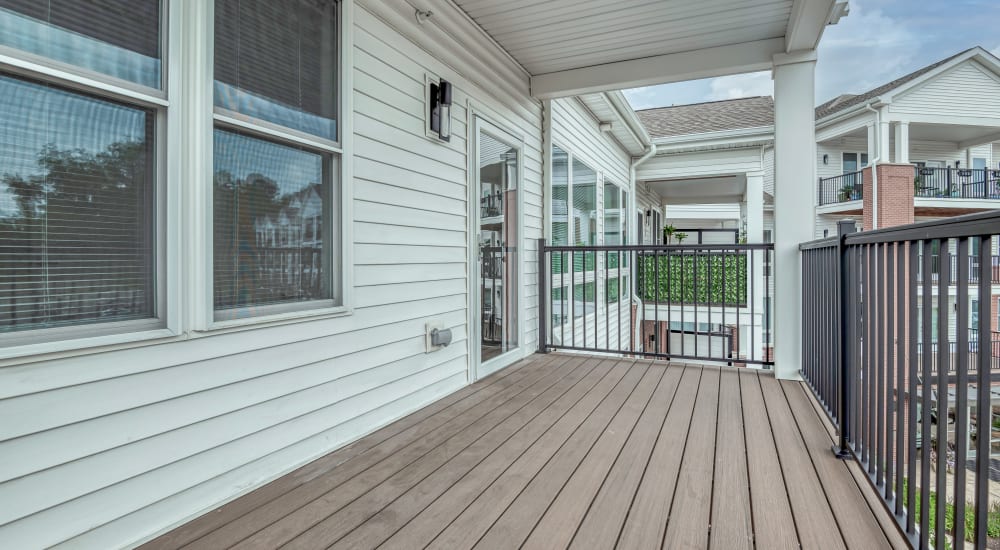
(895,195)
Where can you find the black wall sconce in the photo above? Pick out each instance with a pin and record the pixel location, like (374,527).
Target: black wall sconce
(649,213)
(441,109)
(826,159)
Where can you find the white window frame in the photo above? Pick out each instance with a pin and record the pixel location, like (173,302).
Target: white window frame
(858,153)
(341,228)
(163,102)
(185,120)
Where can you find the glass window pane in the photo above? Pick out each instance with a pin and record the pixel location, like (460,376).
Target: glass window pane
(271,204)
(850,162)
(119,38)
(76,209)
(560,196)
(612,215)
(584,204)
(277,61)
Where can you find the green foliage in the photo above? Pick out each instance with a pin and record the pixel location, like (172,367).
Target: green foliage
(992,516)
(711,278)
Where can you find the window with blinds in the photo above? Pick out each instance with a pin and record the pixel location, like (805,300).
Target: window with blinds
(276,61)
(76,208)
(269,241)
(274,192)
(78,189)
(560,197)
(584,204)
(116,38)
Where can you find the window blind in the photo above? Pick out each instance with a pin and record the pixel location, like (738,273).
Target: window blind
(119,38)
(271,212)
(76,208)
(277,61)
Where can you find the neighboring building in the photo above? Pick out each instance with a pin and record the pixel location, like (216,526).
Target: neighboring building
(935,134)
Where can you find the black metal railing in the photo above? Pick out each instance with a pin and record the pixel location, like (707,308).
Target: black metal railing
(692,302)
(915,416)
(843,188)
(958,183)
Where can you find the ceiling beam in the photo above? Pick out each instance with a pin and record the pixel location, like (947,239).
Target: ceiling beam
(807,22)
(661,69)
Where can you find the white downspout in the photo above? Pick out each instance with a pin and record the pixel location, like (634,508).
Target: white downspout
(874,163)
(637,334)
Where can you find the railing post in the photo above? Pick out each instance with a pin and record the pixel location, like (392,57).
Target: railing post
(543,271)
(844,228)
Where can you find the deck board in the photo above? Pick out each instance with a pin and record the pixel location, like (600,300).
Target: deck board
(691,510)
(731,525)
(576,451)
(774,525)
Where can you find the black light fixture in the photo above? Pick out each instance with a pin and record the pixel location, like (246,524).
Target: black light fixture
(441,109)
(649,213)
(826,159)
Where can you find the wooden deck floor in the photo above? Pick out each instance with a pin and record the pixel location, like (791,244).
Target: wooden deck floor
(569,451)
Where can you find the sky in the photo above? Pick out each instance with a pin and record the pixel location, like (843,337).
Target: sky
(879,41)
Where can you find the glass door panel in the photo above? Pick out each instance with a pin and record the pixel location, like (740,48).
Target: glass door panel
(497,240)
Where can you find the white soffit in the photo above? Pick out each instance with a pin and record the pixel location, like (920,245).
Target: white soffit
(578,46)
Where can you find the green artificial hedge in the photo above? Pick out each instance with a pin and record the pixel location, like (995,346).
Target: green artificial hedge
(717,279)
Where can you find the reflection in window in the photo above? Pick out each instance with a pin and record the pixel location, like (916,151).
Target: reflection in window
(560,197)
(277,62)
(584,204)
(118,38)
(271,202)
(76,209)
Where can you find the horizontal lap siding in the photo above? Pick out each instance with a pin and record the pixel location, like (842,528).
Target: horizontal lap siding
(106,449)
(968,90)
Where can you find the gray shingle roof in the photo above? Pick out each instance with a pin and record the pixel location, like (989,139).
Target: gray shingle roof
(732,114)
(844,101)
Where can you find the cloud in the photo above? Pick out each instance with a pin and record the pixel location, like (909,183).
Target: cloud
(742,85)
(867,48)
(996,51)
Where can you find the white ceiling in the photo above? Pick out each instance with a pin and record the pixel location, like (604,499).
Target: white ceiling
(557,35)
(710,190)
(631,41)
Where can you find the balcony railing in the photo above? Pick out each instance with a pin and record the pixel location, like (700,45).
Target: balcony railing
(690,302)
(956,183)
(914,416)
(843,188)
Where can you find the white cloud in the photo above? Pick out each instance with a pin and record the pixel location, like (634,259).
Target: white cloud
(866,49)
(996,51)
(742,85)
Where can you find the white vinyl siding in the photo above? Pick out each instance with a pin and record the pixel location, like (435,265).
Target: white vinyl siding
(113,447)
(701,164)
(968,90)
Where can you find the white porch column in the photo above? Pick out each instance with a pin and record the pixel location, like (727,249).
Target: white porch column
(872,140)
(902,142)
(754,202)
(795,172)
(883,135)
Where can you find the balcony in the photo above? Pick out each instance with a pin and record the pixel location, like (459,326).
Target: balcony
(928,183)
(956,183)
(573,451)
(843,188)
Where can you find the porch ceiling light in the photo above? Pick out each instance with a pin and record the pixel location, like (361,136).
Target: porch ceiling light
(441,109)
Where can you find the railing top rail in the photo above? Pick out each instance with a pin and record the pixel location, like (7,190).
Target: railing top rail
(828,242)
(830,178)
(971,225)
(660,247)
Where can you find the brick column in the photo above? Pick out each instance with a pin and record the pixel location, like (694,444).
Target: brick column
(895,195)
